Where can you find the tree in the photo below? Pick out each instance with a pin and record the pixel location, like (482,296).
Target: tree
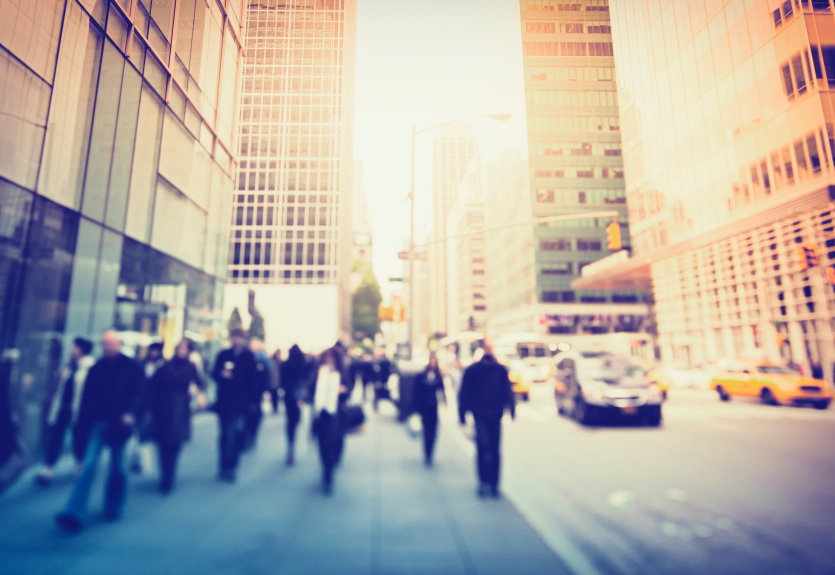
(234,320)
(256,326)
(365,322)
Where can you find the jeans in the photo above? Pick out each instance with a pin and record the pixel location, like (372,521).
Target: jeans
(329,432)
(294,413)
(488,434)
(116,488)
(168,455)
(429,419)
(230,441)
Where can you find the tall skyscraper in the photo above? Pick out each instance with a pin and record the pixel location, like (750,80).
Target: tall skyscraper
(292,210)
(363,233)
(575,160)
(116,158)
(728,141)
(452,150)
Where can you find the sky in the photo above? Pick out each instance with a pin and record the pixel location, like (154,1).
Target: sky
(420,64)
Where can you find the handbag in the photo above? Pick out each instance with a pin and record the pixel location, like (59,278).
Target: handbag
(353,416)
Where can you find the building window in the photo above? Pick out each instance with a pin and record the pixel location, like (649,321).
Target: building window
(558,269)
(555,245)
(588,246)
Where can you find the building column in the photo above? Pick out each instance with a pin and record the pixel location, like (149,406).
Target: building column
(748,342)
(798,348)
(728,338)
(768,337)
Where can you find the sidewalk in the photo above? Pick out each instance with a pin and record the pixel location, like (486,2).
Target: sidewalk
(388,515)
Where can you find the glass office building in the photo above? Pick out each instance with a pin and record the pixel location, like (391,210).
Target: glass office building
(292,209)
(116,157)
(728,116)
(576,166)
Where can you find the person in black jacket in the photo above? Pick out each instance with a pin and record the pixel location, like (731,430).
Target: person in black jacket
(428,384)
(169,410)
(110,404)
(235,375)
(260,385)
(294,375)
(485,392)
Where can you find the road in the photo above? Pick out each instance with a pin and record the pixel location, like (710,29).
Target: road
(719,489)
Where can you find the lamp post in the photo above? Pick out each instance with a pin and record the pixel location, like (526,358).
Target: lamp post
(504,118)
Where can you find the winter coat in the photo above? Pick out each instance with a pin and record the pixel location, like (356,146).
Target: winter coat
(263,375)
(425,390)
(54,397)
(169,401)
(294,374)
(485,390)
(234,395)
(113,388)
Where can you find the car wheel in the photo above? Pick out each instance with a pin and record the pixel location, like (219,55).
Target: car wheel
(822,404)
(722,395)
(767,397)
(652,416)
(583,413)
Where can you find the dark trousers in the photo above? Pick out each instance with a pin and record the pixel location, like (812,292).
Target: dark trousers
(273,399)
(488,435)
(230,441)
(168,455)
(429,419)
(294,414)
(329,432)
(55,434)
(251,425)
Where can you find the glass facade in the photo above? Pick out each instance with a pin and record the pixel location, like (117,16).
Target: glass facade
(291,212)
(574,142)
(115,177)
(727,112)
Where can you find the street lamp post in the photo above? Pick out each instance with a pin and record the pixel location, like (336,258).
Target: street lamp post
(415,132)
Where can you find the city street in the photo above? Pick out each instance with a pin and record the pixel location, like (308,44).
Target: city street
(719,488)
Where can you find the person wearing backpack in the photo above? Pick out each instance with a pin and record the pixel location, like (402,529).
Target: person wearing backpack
(486,392)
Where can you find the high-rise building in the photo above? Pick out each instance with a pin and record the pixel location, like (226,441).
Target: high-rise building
(363,232)
(116,158)
(466,289)
(452,150)
(292,209)
(510,269)
(728,142)
(574,146)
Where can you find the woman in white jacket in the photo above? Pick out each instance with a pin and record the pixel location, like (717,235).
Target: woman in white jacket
(326,410)
(62,408)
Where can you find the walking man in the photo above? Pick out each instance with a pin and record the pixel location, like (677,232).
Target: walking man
(235,375)
(110,404)
(62,409)
(485,392)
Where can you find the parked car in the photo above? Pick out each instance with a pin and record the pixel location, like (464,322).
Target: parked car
(590,386)
(773,384)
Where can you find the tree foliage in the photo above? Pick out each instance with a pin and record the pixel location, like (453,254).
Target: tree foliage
(256,326)
(365,320)
(234,320)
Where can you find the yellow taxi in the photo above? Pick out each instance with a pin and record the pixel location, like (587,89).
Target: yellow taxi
(773,384)
(521,387)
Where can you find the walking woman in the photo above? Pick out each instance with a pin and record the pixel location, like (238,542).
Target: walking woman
(326,404)
(428,384)
(169,410)
(294,373)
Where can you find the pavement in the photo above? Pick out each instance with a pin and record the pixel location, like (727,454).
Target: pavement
(388,515)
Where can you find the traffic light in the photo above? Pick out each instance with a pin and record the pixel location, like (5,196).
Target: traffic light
(807,257)
(613,242)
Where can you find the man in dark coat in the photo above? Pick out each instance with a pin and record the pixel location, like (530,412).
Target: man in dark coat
(294,375)
(261,384)
(235,375)
(110,405)
(485,392)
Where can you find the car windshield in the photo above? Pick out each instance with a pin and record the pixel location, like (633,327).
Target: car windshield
(775,369)
(609,368)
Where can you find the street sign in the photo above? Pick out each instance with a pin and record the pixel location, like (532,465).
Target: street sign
(405,255)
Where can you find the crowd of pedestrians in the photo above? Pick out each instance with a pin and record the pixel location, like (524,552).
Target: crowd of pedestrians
(105,403)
